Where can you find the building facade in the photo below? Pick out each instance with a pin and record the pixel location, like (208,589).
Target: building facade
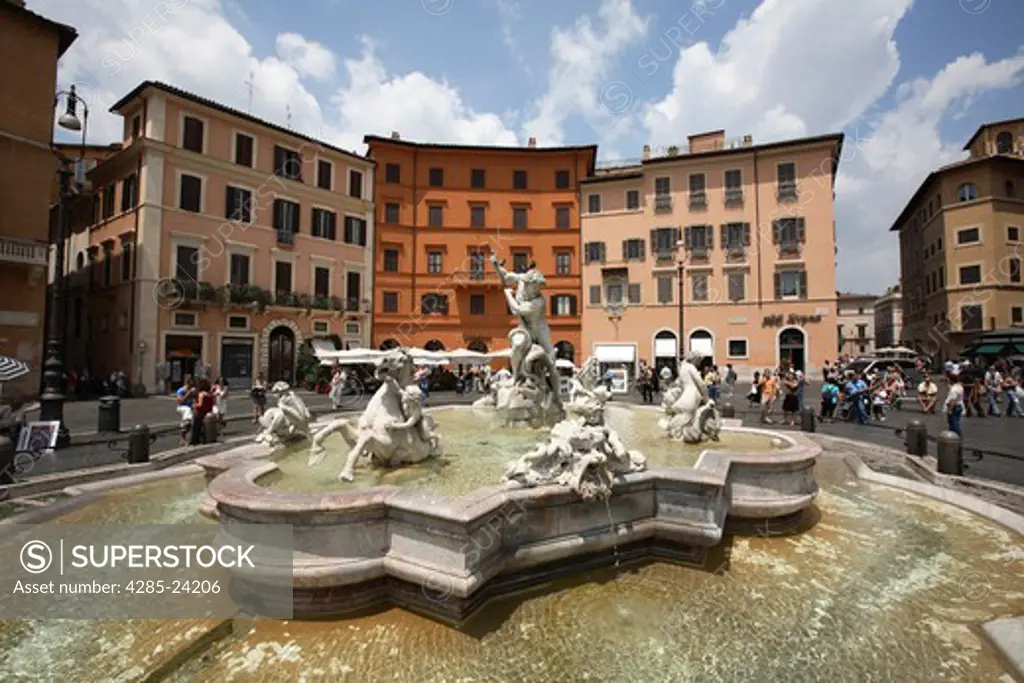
(889,319)
(442,210)
(215,236)
(856,324)
(960,245)
(28,172)
(751,230)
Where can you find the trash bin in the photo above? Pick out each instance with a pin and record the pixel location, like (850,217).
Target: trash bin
(109,415)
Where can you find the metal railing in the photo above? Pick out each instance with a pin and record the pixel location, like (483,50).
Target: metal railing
(30,253)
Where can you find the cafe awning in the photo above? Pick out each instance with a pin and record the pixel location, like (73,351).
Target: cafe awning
(985,350)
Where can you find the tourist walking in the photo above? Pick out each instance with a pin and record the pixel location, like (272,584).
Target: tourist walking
(337,386)
(754,395)
(829,399)
(647,384)
(769,390)
(879,399)
(730,380)
(954,405)
(994,387)
(790,401)
(975,399)
(184,399)
(258,395)
(220,397)
(203,406)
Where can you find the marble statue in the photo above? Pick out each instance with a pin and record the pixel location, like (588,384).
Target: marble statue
(393,430)
(690,414)
(582,453)
(531,395)
(290,418)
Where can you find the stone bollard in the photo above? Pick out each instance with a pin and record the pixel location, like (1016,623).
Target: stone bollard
(808,420)
(210,427)
(7,452)
(728,410)
(138,444)
(951,454)
(917,438)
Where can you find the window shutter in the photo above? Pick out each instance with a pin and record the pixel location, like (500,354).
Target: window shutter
(775,232)
(778,285)
(572,305)
(229,203)
(676,234)
(298,218)
(746,234)
(724,234)
(803,284)
(689,237)
(334,225)
(654,240)
(277,214)
(553,306)
(709,232)
(604,252)
(625,250)
(801,233)
(362,232)
(640,246)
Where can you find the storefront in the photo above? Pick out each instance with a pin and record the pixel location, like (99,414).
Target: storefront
(620,361)
(236,361)
(182,351)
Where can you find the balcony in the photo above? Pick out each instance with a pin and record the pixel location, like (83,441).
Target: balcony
(699,254)
(663,203)
(735,253)
(733,197)
(698,200)
(664,254)
(786,191)
(25,252)
(789,248)
(286,236)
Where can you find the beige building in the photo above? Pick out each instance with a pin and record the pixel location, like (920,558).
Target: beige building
(30,45)
(216,236)
(889,319)
(960,244)
(856,323)
(751,229)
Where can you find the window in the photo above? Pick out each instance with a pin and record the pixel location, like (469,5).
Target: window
(109,192)
(180,320)
(699,238)
(321,327)
(477,216)
(108,264)
(699,284)
(435,261)
(563,263)
(1017,315)
(126,261)
(391,213)
(435,215)
(390,260)
(632,250)
(970,318)
(130,192)
(664,241)
(478,178)
(698,183)
(519,218)
(938,244)
(789,233)
(192,134)
(613,292)
(791,284)
(434,304)
(476,304)
(970,275)
(520,261)
(136,126)
(286,219)
(735,236)
(355,231)
(238,205)
(561,180)
(238,322)
(966,192)
(1012,233)
(942,276)
(392,173)
(733,187)
(186,263)
(191,193)
(737,348)
(519,180)
(325,224)
(243,150)
(1009,189)
(563,304)
(355,184)
(665,289)
(562,217)
(321,282)
(390,302)
(862,331)
(1015,270)
(287,163)
(633,291)
(593,203)
(324,174)
(436,177)
(239,264)
(593,251)
(968,236)
(595,295)
(282,276)
(477,265)
(632,200)
(786,174)
(1004,143)
(737,281)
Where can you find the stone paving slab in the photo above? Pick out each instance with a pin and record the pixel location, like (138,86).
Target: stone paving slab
(1007,635)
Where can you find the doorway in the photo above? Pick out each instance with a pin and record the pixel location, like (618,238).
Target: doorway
(281,366)
(792,348)
(182,351)
(236,361)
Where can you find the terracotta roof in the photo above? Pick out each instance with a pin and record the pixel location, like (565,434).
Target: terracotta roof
(66,34)
(587,149)
(989,125)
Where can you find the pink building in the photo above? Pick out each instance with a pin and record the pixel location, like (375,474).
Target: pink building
(215,235)
(749,227)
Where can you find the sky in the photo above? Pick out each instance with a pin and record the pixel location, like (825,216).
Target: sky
(908,81)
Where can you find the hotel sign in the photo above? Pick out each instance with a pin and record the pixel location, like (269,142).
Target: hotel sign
(791,319)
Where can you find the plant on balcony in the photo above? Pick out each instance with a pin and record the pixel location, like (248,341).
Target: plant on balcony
(337,304)
(206,293)
(303,301)
(285,299)
(322,303)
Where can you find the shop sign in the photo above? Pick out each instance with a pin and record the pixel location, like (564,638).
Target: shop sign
(791,319)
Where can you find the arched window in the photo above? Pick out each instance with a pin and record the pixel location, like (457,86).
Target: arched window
(478,345)
(564,349)
(1004,143)
(434,345)
(388,344)
(966,192)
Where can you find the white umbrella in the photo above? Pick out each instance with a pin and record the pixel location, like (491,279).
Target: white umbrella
(11,369)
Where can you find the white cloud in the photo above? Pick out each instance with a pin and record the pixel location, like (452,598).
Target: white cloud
(582,57)
(305,56)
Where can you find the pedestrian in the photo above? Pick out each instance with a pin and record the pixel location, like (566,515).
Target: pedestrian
(337,387)
(1014,395)
(954,405)
(647,384)
(220,396)
(802,382)
(927,394)
(769,390)
(826,371)
(854,389)
(754,395)
(730,379)
(976,398)
(185,398)
(203,406)
(879,399)
(711,382)
(829,398)
(258,395)
(994,385)
(790,401)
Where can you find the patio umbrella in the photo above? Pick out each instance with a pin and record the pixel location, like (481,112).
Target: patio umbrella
(11,369)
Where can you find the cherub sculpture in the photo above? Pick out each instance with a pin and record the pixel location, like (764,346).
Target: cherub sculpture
(288,419)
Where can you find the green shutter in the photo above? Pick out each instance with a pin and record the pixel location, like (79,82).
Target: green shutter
(801,233)
(803,284)
(709,232)
(746,234)
(775,232)
(625,250)
(778,285)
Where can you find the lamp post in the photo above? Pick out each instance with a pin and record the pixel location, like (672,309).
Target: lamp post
(51,402)
(680,272)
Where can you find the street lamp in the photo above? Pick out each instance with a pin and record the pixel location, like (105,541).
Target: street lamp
(51,402)
(680,272)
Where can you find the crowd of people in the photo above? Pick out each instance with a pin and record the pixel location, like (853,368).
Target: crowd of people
(196,399)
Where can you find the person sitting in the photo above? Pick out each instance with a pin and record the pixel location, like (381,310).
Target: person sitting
(927,394)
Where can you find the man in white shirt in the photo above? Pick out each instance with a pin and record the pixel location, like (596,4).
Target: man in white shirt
(994,384)
(954,405)
(927,394)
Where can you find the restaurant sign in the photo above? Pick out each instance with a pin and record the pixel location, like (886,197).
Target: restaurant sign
(791,319)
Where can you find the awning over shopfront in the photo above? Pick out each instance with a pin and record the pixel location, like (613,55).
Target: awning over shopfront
(986,350)
(615,353)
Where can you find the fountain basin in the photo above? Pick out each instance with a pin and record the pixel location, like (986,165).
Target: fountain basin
(444,555)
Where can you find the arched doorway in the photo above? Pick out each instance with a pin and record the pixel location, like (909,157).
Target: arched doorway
(388,344)
(434,345)
(703,343)
(281,360)
(564,349)
(792,348)
(666,352)
(477,345)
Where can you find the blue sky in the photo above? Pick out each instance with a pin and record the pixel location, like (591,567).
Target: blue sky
(907,80)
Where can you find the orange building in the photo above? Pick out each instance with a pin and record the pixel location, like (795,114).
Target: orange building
(441,210)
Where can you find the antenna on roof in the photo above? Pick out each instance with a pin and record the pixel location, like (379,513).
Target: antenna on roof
(249,83)
(288,115)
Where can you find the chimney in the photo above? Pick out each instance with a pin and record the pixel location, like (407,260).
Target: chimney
(395,135)
(532,142)
(748,140)
(647,152)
